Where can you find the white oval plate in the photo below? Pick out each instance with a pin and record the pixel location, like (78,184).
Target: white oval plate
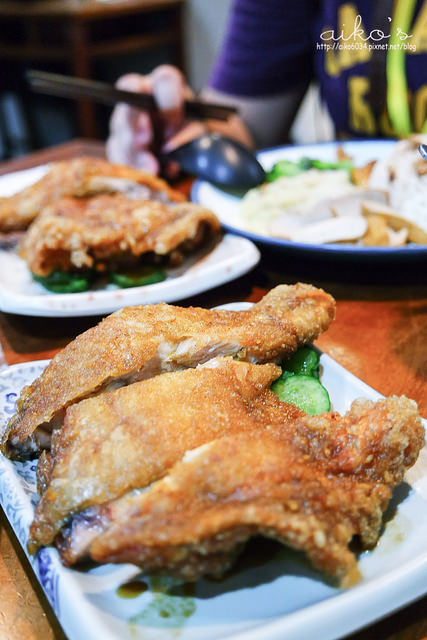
(230,258)
(270,598)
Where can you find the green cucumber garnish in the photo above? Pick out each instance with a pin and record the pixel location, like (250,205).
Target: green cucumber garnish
(304,362)
(137,277)
(305,392)
(65,281)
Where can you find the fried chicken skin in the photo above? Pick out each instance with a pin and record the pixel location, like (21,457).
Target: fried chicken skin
(137,343)
(109,230)
(312,493)
(80,177)
(133,435)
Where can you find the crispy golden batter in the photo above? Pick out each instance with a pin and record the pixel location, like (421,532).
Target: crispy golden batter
(311,482)
(80,177)
(133,435)
(75,233)
(139,342)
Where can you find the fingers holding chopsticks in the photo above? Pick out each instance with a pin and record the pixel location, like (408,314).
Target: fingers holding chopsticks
(132,132)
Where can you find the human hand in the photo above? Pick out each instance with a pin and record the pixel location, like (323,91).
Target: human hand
(132,134)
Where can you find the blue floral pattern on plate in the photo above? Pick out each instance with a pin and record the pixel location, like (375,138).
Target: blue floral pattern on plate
(49,577)
(278,599)
(18,486)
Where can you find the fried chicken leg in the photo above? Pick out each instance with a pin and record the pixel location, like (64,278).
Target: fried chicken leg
(133,435)
(310,493)
(105,230)
(137,343)
(80,177)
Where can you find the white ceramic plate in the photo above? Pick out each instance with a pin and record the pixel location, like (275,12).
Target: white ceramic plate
(226,206)
(230,258)
(272,597)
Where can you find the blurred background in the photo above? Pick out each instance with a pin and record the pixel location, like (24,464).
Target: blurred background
(102,39)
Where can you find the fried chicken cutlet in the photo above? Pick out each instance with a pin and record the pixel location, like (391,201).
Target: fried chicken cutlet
(310,482)
(112,230)
(79,177)
(133,435)
(136,343)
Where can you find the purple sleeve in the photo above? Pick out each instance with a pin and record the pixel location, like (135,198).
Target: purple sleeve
(268,47)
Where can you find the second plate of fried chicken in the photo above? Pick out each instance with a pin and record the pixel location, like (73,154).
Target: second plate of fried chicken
(97,236)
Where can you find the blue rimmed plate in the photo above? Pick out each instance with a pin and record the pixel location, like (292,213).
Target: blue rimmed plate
(226,204)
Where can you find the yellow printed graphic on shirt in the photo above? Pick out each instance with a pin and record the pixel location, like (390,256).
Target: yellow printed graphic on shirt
(362,119)
(420,108)
(353,48)
(356,49)
(419,32)
(360,113)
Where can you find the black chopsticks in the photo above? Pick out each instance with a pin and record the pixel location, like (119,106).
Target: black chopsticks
(65,86)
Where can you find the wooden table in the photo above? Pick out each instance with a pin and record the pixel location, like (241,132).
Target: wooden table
(80,32)
(380,335)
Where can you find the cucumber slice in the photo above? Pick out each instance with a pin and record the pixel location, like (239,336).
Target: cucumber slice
(304,362)
(305,392)
(65,281)
(138,277)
